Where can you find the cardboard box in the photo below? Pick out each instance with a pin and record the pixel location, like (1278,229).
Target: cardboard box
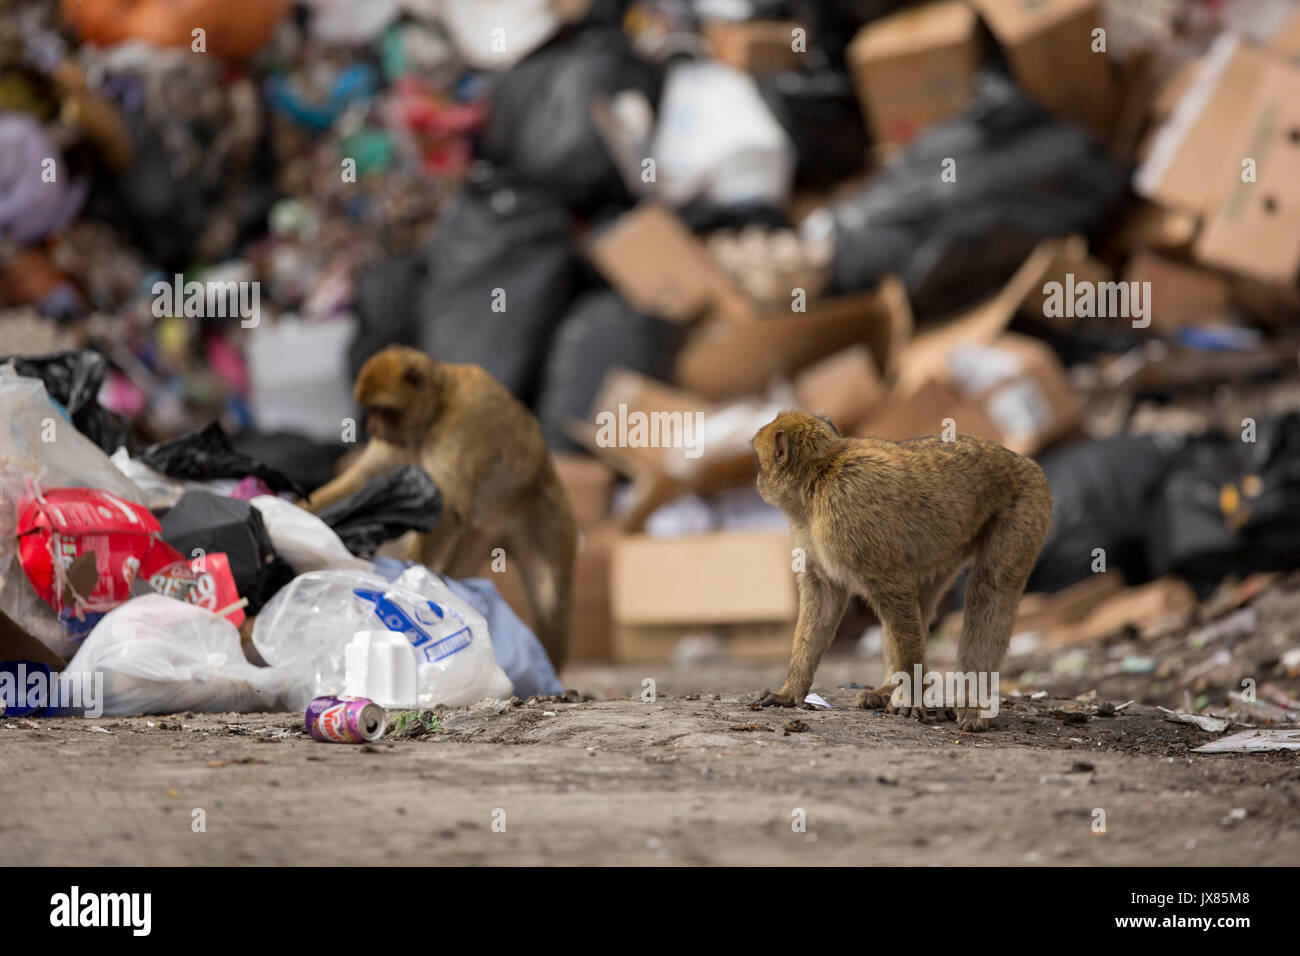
(738,583)
(844,387)
(589,483)
(661,268)
(914,68)
(661,438)
(722,359)
(1180,294)
(769,641)
(1193,149)
(756,46)
(1033,405)
(1013,391)
(724,578)
(1253,228)
(1048,44)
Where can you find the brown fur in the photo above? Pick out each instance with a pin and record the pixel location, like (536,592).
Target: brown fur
(486,453)
(893,522)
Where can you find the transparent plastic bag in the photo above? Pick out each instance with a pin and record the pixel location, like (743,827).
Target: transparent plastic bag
(41,449)
(304,631)
(163,656)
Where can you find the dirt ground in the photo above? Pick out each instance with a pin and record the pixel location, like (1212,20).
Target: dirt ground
(694,777)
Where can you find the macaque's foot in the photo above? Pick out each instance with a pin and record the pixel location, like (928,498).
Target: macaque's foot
(969,719)
(875,699)
(907,710)
(781,698)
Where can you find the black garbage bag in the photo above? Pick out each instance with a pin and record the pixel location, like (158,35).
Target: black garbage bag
(388,506)
(1230,507)
(1021,175)
(215,523)
(602,331)
(1102,493)
(73,379)
(500,269)
(386,307)
(165,201)
(304,461)
(820,112)
(541,123)
(207,453)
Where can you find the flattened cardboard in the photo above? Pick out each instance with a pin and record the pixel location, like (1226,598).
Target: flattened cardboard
(720,360)
(662,269)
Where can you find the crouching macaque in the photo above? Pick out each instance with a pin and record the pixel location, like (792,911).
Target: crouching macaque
(893,522)
(487,455)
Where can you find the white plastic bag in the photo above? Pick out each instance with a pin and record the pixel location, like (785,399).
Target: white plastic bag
(302,539)
(163,656)
(305,629)
(718,139)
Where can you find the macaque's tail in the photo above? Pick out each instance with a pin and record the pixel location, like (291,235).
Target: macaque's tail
(546,546)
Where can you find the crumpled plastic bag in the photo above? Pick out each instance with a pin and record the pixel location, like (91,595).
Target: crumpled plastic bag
(388,506)
(305,541)
(305,629)
(541,124)
(163,656)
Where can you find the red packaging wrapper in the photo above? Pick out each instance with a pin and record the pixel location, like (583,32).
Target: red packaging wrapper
(66,533)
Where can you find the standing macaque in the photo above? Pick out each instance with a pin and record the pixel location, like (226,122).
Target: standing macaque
(893,522)
(487,455)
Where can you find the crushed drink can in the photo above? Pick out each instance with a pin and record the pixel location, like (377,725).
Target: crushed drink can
(345,720)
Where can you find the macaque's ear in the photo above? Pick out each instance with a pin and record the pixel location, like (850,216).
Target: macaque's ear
(782,444)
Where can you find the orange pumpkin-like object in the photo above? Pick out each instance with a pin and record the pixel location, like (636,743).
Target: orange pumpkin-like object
(234,28)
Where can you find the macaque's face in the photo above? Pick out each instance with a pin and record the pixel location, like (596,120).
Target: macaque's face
(384,423)
(395,390)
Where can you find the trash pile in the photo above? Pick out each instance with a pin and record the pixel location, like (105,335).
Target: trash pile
(185,578)
(1066,225)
